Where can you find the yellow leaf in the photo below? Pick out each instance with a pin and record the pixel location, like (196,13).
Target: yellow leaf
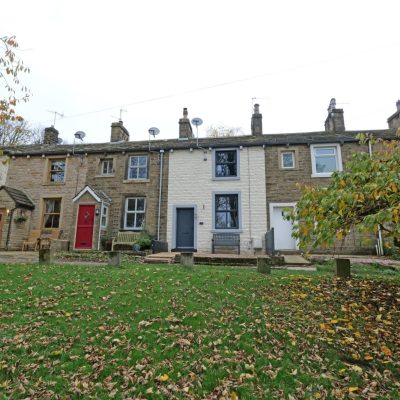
(334,321)
(163,378)
(353,389)
(149,390)
(233,396)
(302,295)
(368,357)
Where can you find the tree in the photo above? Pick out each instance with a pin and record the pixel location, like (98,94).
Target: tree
(365,197)
(11,67)
(13,133)
(223,131)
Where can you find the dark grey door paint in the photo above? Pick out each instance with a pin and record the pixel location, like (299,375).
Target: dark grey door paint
(185,228)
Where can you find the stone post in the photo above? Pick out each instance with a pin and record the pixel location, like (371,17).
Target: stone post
(263,265)
(187,260)
(342,268)
(114,258)
(46,256)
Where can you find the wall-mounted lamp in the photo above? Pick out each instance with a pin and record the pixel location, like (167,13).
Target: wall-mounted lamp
(8,211)
(97,211)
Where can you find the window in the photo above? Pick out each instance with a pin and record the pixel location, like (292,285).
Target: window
(51,214)
(226,164)
(57,171)
(134,213)
(226,211)
(104,217)
(107,166)
(325,160)
(287,160)
(137,167)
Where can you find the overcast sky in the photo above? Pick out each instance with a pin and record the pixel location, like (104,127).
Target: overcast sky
(89,59)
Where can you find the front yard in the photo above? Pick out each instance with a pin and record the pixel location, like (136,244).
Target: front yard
(225,333)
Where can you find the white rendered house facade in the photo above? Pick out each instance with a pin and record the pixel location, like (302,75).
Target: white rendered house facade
(216,190)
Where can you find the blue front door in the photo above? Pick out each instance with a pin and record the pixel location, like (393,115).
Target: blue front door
(184,228)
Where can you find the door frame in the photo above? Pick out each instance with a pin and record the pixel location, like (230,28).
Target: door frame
(175,224)
(271,213)
(94,224)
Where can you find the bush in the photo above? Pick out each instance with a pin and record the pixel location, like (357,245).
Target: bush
(144,240)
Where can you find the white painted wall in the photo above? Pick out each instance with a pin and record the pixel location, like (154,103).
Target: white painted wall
(3,169)
(190,183)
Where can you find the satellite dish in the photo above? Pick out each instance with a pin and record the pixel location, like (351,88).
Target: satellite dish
(197,121)
(59,141)
(79,135)
(154,131)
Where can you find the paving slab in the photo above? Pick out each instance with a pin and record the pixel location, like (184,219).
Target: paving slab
(295,259)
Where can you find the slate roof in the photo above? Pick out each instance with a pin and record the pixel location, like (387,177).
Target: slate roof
(305,138)
(20,198)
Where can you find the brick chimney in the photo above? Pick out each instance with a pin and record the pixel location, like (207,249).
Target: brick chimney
(256,121)
(119,132)
(394,120)
(50,136)
(334,123)
(185,128)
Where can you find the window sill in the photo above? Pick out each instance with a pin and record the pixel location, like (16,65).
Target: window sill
(228,178)
(105,176)
(325,175)
(136,181)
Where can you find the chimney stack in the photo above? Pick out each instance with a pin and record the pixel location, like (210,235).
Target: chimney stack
(256,121)
(50,136)
(334,123)
(394,120)
(185,128)
(119,132)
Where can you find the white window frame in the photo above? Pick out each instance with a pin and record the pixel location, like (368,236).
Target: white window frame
(138,167)
(107,161)
(104,216)
(292,152)
(214,165)
(338,154)
(126,212)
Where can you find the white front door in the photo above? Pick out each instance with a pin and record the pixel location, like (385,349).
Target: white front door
(282,228)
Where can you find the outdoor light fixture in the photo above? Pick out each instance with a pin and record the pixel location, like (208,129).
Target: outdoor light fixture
(97,211)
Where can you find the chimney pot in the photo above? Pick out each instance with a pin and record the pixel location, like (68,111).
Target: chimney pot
(256,121)
(335,120)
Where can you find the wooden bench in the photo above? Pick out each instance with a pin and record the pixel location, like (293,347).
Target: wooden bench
(33,240)
(125,238)
(46,237)
(226,240)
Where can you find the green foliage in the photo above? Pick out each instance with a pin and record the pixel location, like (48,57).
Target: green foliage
(366,197)
(144,240)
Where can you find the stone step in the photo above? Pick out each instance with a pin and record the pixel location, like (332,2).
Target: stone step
(158,260)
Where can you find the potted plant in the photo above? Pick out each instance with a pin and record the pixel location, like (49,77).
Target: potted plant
(19,219)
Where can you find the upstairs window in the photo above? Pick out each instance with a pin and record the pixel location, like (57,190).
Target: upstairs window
(287,160)
(51,214)
(325,159)
(226,211)
(135,208)
(137,167)
(226,164)
(57,171)
(107,167)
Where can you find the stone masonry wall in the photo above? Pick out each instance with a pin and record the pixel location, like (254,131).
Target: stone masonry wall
(118,187)
(31,176)
(281,185)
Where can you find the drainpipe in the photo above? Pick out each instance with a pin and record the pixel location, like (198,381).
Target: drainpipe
(159,194)
(249,189)
(9,226)
(101,217)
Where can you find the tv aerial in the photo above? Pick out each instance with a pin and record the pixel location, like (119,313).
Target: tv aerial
(153,131)
(197,122)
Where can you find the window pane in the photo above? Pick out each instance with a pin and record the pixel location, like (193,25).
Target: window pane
(130,220)
(220,220)
(232,202)
(326,151)
(220,203)
(139,220)
(287,160)
(131,205)
(143,161)
(134,161)
(58,165)
(325,164)
(232,219)
(140,205)
(142,173)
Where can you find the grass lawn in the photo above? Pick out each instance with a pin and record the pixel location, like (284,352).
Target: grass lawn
(147,332)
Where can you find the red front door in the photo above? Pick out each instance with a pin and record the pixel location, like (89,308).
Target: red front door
(84,227)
